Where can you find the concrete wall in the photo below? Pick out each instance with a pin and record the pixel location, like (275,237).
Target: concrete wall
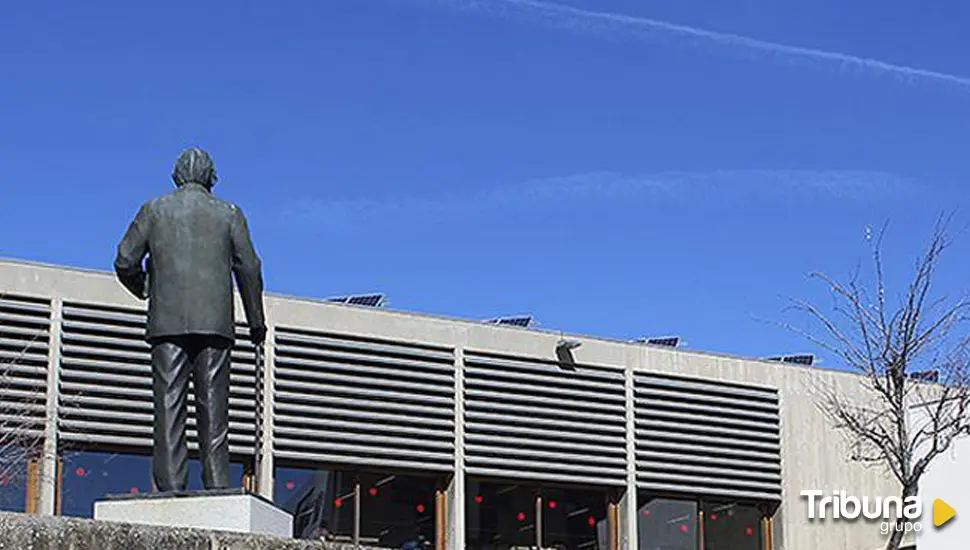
(814,454)
(24,532)
(947,479)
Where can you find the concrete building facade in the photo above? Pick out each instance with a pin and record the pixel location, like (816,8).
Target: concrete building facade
(491,413)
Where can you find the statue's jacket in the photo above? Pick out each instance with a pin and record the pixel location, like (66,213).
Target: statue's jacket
(195,243)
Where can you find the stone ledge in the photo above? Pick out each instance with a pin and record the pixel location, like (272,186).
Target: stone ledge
(28,532)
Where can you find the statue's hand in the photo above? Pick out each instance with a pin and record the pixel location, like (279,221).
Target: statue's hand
(257,335)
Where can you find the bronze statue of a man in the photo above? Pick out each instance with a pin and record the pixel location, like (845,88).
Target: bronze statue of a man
(195,244)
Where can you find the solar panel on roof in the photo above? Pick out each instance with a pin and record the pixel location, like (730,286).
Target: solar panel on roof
(517,321)
(670,342)
(368,300)
(803,359)
(926,376)
(665,341)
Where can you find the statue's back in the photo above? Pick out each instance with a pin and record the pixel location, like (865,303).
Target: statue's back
(191,251)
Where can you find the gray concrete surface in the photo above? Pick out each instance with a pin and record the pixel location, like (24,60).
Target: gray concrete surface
(28,532)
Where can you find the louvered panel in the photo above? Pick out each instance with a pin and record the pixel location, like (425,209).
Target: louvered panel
(106,382)
(535,419)
(24,348)
(363,402)
(702,437)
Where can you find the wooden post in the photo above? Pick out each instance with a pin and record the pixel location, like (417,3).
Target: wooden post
(33,486)
(440,513)
(59,495)
(249,480)
(700,530)
(767,525)
(613,524)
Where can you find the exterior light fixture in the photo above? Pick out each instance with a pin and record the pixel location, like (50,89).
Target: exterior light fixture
(564,352)
(568,344)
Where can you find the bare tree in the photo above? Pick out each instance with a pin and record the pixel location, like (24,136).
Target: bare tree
(910,352)
(22,403)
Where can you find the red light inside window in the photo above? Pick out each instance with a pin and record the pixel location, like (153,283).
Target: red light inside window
(290,485)
(134,490)
(683,528)
(521,516)
(713,517)
(478,499)
(749,531)
(373,491)
(553,504)
(591,521)
(80,472)
(338,502)
(647,513)
(419,508)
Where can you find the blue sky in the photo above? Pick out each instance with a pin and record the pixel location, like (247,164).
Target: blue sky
(615,168)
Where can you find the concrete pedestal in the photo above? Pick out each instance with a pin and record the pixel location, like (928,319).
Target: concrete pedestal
(233,510)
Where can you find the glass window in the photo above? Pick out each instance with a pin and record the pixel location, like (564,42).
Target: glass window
(574,519)
(504,515)
(729,526)
(87,477)
(665,524)
(396,511)
(13,478)
(499,516)
(321,501)
(90,476)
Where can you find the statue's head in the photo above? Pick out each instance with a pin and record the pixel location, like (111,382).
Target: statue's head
(194,166)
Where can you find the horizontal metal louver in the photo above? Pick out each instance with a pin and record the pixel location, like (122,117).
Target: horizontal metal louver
(538,420)
(106,382)
(24,347)
(710,438)
(342,399)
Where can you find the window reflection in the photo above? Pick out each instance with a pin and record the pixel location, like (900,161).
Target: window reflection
(729,526)
(321,501)
(504,515)
(90,476)
(13,480)
(499,516)
(575,519)
(396,511)
(665,524)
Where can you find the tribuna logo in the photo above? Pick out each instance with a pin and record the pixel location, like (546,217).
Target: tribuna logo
(841,506)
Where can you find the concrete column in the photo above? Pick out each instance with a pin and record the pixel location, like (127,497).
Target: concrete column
(628,502)
(47,483)
(455,492)
(266,475)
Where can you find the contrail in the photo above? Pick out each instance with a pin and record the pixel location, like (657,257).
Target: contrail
(586,19)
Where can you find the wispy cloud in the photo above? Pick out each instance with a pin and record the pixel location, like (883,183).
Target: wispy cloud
(581,19)
(718,189)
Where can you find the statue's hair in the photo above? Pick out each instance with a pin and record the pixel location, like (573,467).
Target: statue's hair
(194,166)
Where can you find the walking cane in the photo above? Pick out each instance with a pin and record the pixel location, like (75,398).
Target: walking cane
(258,438)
